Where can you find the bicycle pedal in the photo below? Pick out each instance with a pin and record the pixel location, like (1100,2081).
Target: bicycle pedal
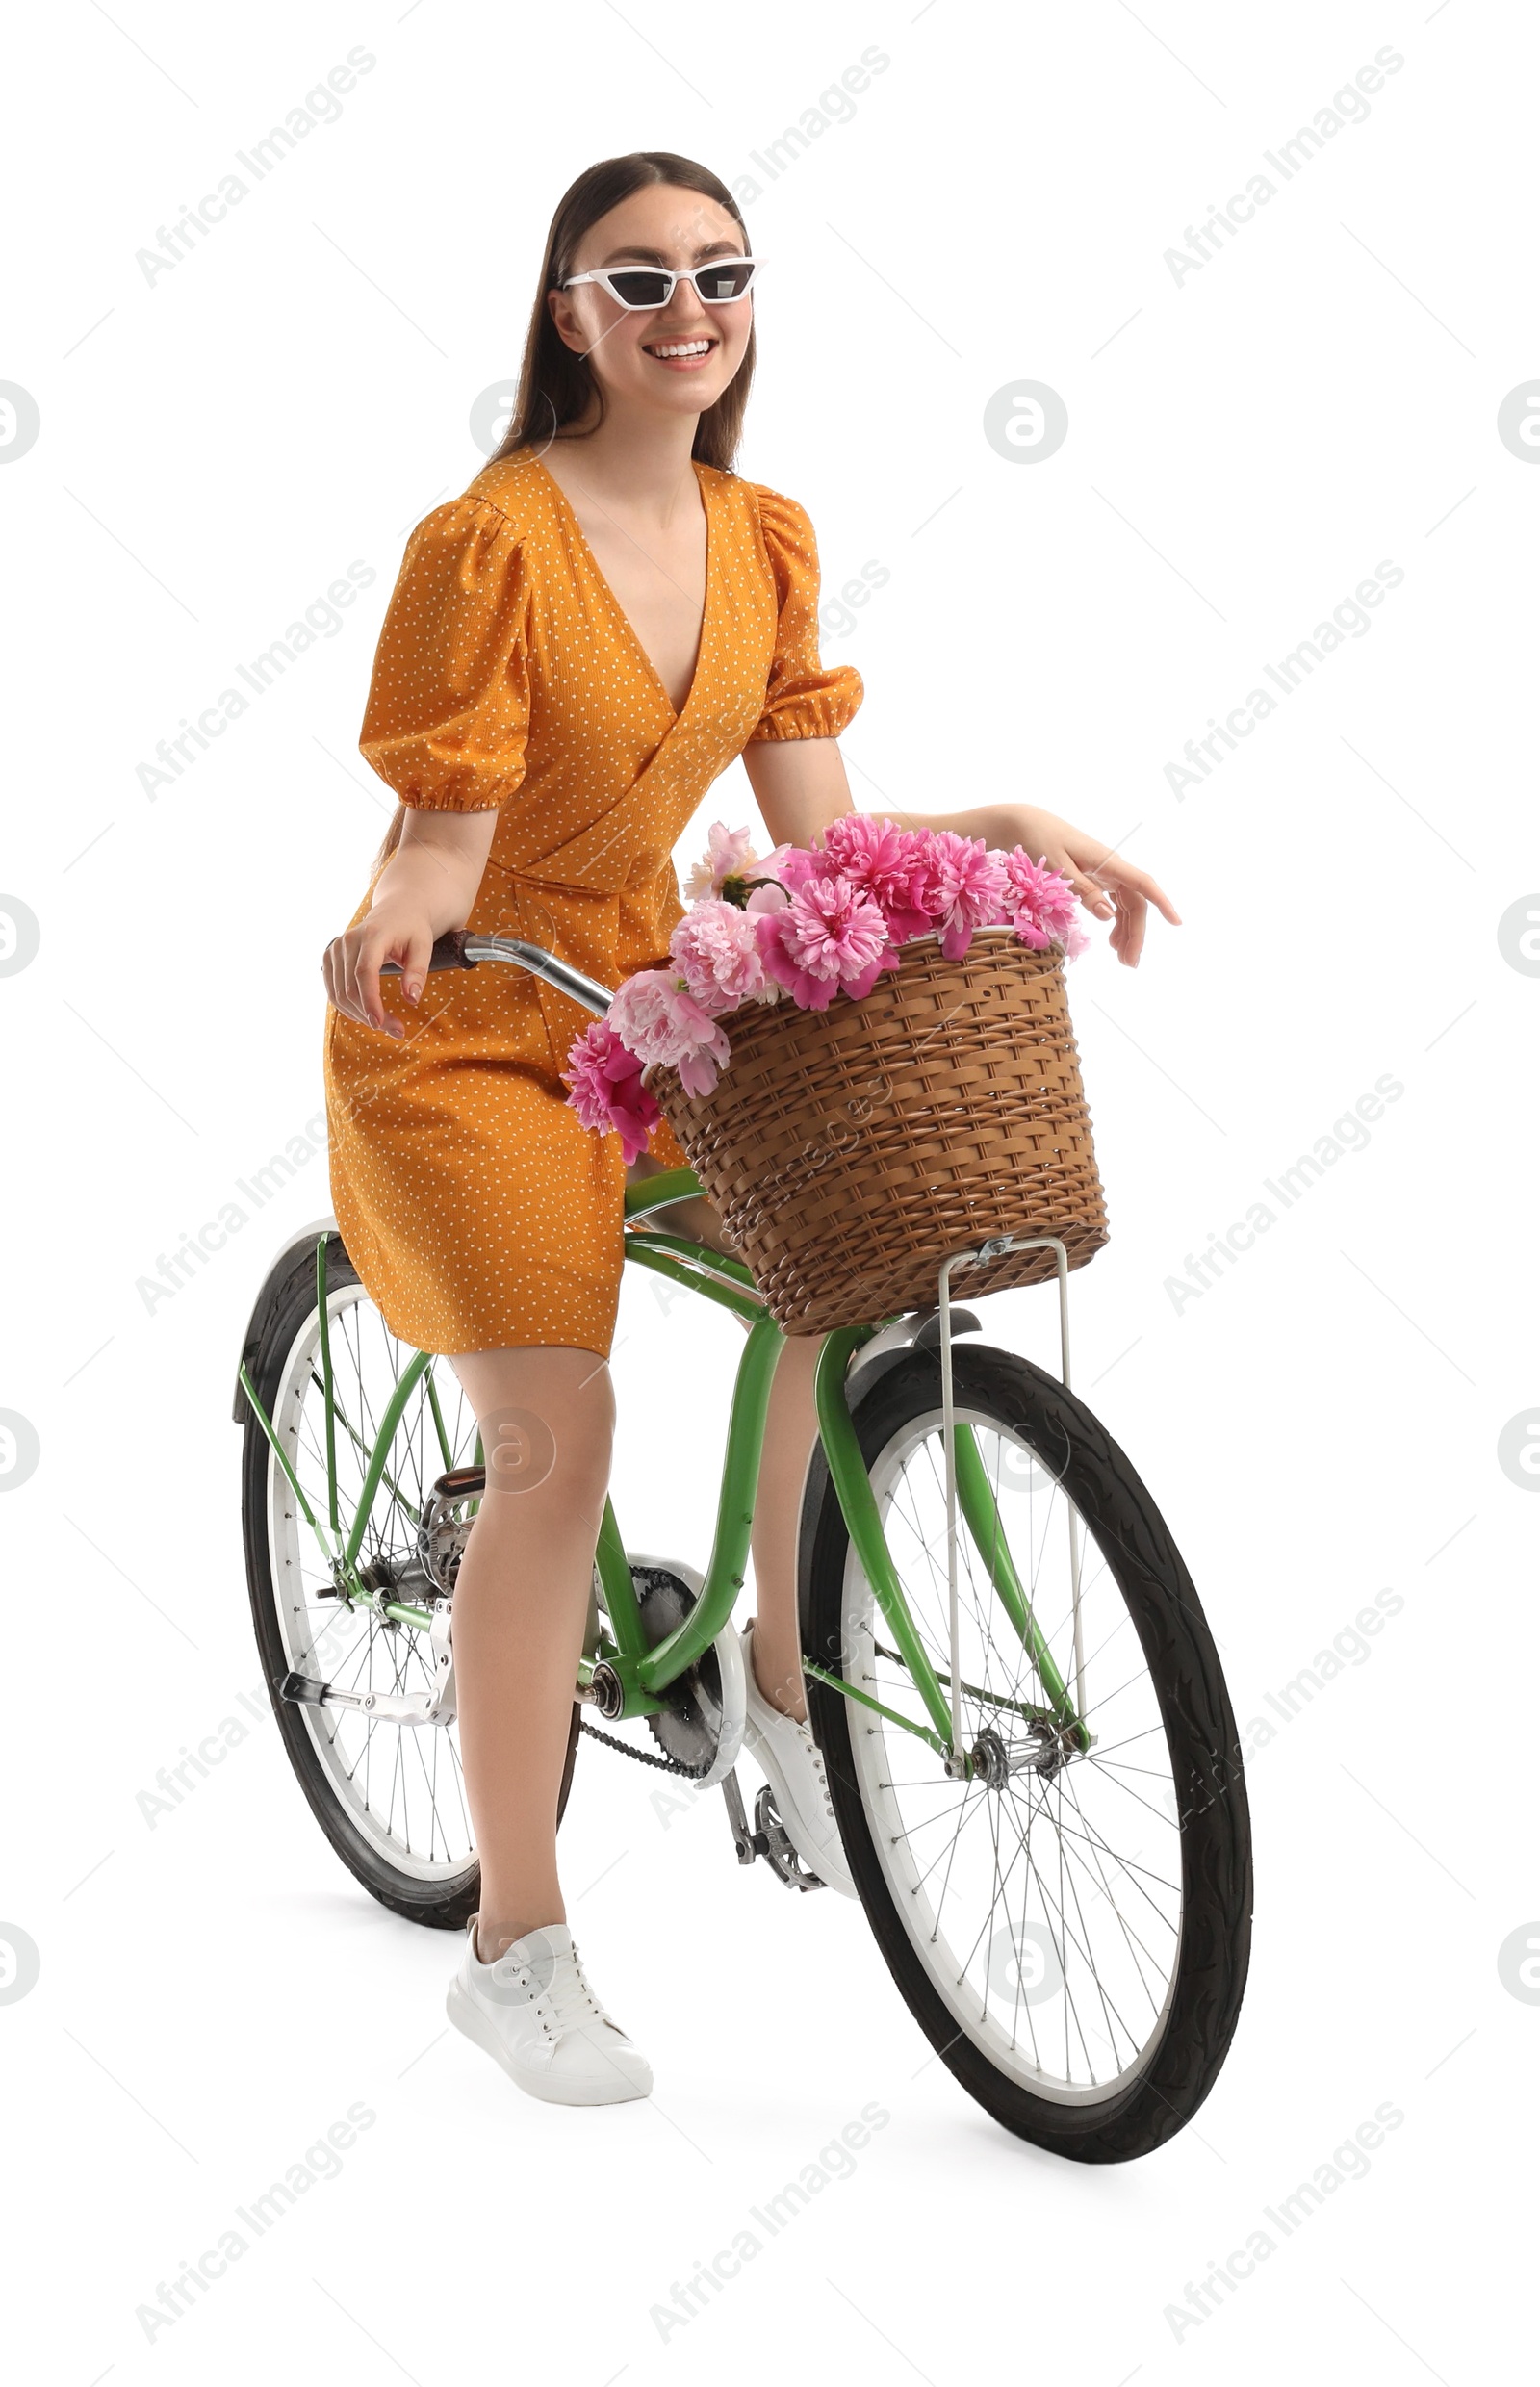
(767,1837)
(778,1852)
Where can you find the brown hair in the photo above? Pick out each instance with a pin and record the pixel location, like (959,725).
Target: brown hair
(556,385)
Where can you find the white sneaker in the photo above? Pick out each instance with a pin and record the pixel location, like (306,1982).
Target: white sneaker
(534,2012)
(790,1759)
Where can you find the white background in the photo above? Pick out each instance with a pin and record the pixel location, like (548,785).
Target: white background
(1245,445)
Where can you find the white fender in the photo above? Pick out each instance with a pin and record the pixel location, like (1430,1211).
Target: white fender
(730,1664)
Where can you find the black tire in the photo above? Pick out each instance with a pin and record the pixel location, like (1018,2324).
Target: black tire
(1183,2057)
(285,1312)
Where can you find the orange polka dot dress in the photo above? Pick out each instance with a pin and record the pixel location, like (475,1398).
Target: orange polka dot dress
(478,1213)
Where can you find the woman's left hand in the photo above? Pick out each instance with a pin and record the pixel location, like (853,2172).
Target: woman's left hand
(1110,887)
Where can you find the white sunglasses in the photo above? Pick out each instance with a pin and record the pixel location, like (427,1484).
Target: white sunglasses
(643,289)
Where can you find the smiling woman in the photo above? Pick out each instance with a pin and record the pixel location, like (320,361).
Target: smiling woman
(574,649)
(558,386)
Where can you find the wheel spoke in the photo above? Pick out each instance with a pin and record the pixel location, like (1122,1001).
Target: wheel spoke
(1046,1930)
(400,1787)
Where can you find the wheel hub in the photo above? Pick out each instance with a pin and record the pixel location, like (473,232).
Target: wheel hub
(994,1759)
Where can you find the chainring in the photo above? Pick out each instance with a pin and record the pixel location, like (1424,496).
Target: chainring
(689,1729)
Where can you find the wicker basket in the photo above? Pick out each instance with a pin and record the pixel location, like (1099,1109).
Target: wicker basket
(850,1151)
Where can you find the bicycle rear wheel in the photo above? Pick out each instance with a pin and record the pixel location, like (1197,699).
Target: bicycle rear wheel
(1070,1926)
(390,1797)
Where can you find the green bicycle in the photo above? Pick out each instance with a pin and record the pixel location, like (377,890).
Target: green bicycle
(1023,1719)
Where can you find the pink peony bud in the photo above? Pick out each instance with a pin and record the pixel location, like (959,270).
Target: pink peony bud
(729,855)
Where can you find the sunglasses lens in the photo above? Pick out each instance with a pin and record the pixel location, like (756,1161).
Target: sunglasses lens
(719,282)
(640,286)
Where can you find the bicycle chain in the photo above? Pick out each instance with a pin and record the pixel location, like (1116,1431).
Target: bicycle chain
(644,1757)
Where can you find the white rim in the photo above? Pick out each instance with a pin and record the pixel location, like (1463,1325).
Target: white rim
(1003,1889)
(400,1786)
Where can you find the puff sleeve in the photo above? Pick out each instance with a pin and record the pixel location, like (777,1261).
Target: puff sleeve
(447,715)
(802,698)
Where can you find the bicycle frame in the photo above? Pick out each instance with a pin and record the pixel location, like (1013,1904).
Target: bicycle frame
(644,1672)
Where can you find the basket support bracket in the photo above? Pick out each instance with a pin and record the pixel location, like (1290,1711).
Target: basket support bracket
(995,1249)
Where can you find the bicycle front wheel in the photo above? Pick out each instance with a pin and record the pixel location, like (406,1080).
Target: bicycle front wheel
(1071,1924)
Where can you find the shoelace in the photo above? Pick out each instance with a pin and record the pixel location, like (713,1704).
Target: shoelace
(565,1999)
(804,1733)
(810,1748)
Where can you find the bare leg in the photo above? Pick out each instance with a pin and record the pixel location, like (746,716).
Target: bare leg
(521,1601)
(791,1429)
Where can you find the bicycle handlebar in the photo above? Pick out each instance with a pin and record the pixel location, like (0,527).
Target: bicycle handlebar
(461,950)
(448,953)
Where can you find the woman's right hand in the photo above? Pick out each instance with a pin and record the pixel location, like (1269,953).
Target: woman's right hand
(427,887)
(393,932)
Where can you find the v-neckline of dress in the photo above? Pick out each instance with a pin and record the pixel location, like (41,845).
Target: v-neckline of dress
(580,539)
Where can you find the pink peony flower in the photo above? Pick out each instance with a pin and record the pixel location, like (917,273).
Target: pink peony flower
(829,938)
(1039,905)
(795,865)
(893,865)
(606,1090)
(716,948)
(966,888)
(729,855)
(656,1016)
(698,1071)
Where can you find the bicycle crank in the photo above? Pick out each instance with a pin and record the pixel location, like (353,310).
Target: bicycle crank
(768,1837)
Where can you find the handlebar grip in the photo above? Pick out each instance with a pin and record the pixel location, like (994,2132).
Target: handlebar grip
(448,953)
